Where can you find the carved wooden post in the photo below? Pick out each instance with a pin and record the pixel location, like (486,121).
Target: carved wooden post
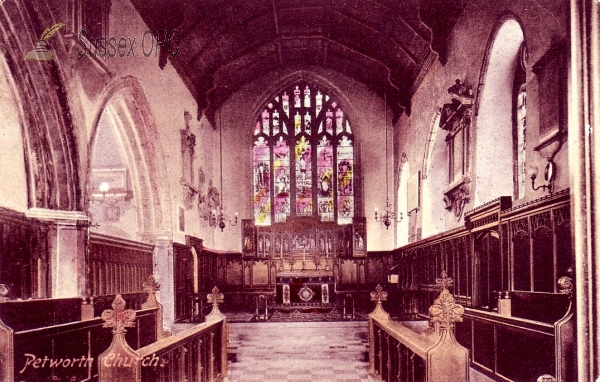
(151,287)
(444,312)
(447,357)
(379,295)
(215,298)
(7,353)
(119,362)
(87,308)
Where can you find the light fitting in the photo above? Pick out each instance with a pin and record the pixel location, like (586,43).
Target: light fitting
(388,214)
(549,172)
(221,219)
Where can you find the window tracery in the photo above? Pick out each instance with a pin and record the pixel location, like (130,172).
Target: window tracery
(308,170)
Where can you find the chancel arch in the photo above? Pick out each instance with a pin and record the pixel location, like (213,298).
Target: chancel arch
(501,102)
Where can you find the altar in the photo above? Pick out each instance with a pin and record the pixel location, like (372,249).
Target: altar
(312,288)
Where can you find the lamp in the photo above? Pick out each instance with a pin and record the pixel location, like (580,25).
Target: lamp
(388,214)
(103,188)
(221,218)
(548,176)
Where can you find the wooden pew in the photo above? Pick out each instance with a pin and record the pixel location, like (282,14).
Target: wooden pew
(65,342)
(398,352)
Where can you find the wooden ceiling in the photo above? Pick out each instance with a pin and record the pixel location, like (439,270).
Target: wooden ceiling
(386,44)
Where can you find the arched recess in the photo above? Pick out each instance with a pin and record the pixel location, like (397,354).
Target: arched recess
(13,188)
(402,226)
(435,180)
(126,110)
(495,151)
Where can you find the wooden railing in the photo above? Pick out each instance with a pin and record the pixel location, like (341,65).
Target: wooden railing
(198,354)
(60,346)
(117,266)
(399,353)
(65,350)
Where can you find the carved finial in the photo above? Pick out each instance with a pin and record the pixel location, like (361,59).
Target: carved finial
(565,285)
(546,378)
(379,294)
(215,298)
(444,282)
(118,317)
(151,285)
(445,311)
(4,290)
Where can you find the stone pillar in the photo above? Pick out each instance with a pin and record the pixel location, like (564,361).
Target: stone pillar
(163,273)
(584,166)
(67,243)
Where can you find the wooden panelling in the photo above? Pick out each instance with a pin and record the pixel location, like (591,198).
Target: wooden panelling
(521,257)
(118,265)
(24,256)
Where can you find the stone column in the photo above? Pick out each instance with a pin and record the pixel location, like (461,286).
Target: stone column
(67,246)
(163,272)
(584,166)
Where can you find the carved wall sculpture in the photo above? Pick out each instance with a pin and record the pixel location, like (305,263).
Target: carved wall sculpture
(456,120)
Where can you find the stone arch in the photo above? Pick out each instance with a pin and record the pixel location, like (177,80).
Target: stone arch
(49,140)
(494,131)
(125,99)
(14,187)
(434,180)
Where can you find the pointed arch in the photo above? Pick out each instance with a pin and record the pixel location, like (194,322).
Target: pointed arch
(402,207)
(495,133)
(14,185)
(124,99)
(303,157)
(435,179)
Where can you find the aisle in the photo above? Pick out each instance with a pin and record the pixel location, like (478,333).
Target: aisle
(299,351)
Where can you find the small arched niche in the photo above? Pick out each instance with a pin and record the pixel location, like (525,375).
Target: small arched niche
(497,142)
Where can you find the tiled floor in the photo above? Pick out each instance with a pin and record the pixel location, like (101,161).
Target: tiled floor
(299,351)
(302,351)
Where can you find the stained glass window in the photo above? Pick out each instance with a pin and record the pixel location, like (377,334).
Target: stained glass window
(303,158)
